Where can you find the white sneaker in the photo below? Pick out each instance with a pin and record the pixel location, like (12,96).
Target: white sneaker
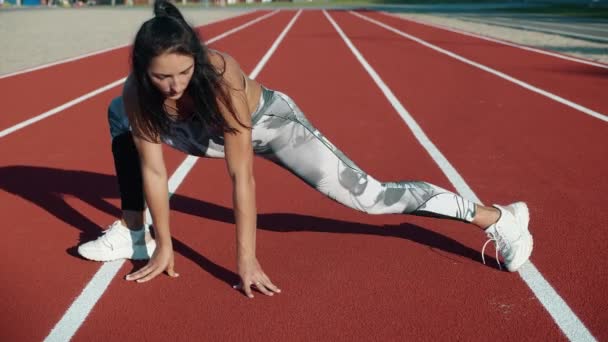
(511,236)
(119,242)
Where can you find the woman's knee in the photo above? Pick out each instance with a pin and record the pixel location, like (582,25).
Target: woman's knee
(117,118)
(378,198)
(357,190)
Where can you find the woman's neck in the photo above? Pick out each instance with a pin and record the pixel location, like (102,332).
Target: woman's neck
(181,108)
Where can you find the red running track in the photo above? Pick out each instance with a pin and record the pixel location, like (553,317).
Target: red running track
(578,82)
(56,174)
(345,275)
(511,143)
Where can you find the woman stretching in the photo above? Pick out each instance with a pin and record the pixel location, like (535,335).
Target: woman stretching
(199,101)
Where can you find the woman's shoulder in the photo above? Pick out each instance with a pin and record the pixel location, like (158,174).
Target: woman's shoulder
(224,64)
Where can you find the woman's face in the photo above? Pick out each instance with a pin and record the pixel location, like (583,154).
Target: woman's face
(171,73)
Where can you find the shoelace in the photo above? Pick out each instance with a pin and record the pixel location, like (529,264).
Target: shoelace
(105,237)
(497,244)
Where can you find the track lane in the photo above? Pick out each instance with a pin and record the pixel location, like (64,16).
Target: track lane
(510,149)
(405,275)
(57,177)
(59,187)
(577,82)
(51,88)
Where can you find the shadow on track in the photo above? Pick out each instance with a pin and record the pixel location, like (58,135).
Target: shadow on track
(47,187)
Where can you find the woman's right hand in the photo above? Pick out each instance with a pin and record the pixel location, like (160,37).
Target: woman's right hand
(161,260)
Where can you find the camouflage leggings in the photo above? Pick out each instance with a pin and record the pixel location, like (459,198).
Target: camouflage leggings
(282,134)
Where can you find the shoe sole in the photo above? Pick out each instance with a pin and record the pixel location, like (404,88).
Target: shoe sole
(522,215)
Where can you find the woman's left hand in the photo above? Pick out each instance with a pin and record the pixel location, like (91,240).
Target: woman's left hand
(251,274)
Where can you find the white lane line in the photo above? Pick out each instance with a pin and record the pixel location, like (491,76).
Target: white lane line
(84,97)
(542,29)
(504,42)
(76,314)
(71,59)
(78,311)
(550,299)
(502,75)
(63,61)
(238,28)
(56,110)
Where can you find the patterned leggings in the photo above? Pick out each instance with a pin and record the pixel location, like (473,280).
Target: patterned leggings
(282,134)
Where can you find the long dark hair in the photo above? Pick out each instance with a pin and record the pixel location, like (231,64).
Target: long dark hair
(168,32)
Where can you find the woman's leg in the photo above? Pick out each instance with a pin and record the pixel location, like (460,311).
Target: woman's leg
(127,166)
(285,136)
(128,174)
(125,238)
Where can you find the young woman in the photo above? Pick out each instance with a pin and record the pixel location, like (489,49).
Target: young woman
(200,102)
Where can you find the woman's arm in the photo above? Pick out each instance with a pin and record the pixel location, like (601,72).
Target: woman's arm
(239,162)
(154,175)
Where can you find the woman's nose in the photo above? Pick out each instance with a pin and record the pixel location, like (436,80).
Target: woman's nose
(174,85)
